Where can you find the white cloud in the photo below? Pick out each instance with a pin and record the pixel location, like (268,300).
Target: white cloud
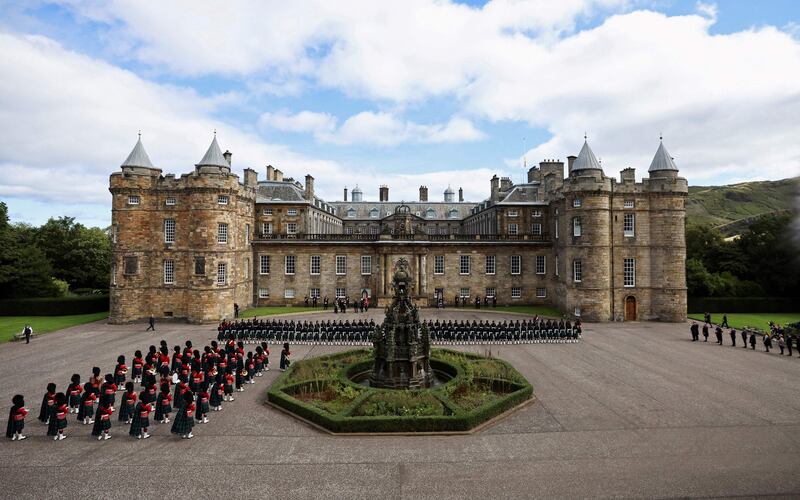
(367,127)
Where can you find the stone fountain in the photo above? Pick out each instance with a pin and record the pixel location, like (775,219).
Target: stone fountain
(401,344)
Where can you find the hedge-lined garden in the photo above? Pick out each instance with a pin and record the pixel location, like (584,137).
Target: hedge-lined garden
(54,306)
(321,390)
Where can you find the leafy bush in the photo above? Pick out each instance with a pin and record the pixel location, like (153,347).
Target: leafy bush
(54,306)
(742,304)
(400,404)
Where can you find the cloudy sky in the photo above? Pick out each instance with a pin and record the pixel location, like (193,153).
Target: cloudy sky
(403,93)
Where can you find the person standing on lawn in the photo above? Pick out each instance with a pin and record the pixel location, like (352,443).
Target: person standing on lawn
(27,332)
(724,321)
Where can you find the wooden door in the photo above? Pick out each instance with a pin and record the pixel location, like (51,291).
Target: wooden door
(630,308)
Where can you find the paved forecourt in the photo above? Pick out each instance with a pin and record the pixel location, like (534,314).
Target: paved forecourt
(634,409)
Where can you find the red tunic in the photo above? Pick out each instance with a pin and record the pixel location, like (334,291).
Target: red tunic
(19,414)
(145,410)
(61,412)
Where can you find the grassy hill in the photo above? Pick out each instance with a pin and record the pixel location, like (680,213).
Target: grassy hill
(723,206)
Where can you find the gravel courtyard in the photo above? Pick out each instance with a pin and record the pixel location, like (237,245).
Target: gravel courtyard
(634,410)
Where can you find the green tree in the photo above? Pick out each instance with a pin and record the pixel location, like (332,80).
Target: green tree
(80,256)
(24,269)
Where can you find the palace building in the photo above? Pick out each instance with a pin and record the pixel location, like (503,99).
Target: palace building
(597,247)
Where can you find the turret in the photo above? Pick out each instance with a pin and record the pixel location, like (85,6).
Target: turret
(357,193)
(213,162)
(448,195)
(586,163)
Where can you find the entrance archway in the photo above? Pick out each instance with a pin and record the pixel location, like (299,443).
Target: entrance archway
(630,308)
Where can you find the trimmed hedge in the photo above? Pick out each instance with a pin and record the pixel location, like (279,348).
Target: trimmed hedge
(54,306)
(457,419)
(743,304)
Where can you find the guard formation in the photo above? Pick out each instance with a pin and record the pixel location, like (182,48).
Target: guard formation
(777,335)
(191,383)
(358,332)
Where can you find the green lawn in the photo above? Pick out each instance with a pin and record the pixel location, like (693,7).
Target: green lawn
(12,325)
(758,320)
(548,311)
(269,311)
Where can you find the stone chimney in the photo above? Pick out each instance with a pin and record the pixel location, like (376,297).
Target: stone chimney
(423,193)
(460,194)
(250,177)
(505,184)
(570,161)
(270,173)
(309,192)
(227,154)
(345,194)
(383,193)
(278,175)
(495,188)
(534,174)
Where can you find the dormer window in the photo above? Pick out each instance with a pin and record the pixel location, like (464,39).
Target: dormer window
(576,203)
(453,214)
(430,213)
(374,213)
(222,199)
(351,213)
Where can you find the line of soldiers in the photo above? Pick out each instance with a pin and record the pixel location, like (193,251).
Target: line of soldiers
(359,332)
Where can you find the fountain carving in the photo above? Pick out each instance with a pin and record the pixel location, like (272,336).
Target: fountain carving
(401,344)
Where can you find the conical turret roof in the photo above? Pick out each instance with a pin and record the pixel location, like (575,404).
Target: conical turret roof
(213,157)
(138,157)
(662,160)
(586,159)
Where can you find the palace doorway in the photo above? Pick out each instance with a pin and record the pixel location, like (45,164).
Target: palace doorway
(630,308)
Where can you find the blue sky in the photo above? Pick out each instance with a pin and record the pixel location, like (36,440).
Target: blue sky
(401,93)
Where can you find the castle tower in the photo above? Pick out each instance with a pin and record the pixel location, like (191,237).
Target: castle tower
(182,246)
(583,247)
(667,217)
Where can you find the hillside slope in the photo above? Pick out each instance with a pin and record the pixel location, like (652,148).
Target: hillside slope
(724,205)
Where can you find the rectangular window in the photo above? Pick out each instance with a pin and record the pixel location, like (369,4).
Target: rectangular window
(113,274)
(133,199)
(222,199)
(263,264)
(373,230)
(266,211)
(169,230)
(341,264)
(366,264)
(247,234)
(627,204)
(348,230)
(513,229)
(536,213)
(438,264)
(170,201)
(340,293)
(491,293)
(512,213)
(222,232)
(516,292)
(541,292)
(131,265)
(313,293)
(263,293)
(556,265)
(200,266)
(288,293)
(431,230)
(576,202)
(541,264)
(222,273)
(464,292)
(314,264)
(463,267)
(629,272)
(266,228)
(576,226)
(291,211)
(114,233)
(291,228)
(247,269)
(169,272)
(491,261)
(536,229)
(577,271)
(289,264)
(628,225)
(555,227)
(516,264)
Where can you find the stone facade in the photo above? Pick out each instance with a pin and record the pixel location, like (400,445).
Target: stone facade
(524,244)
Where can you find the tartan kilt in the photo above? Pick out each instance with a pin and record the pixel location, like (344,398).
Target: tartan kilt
(74,400)
(125,412)
(119,379)
(162,411)
(136,372)
(202,409)
(61,424)
(17,426)
(182,424)
(215,399)
(85,411)
(100,425)
(137,426)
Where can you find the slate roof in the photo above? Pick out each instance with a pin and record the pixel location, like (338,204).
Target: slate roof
(586,159)
(138,157)
(662,160)
(213,157)
(437,210)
